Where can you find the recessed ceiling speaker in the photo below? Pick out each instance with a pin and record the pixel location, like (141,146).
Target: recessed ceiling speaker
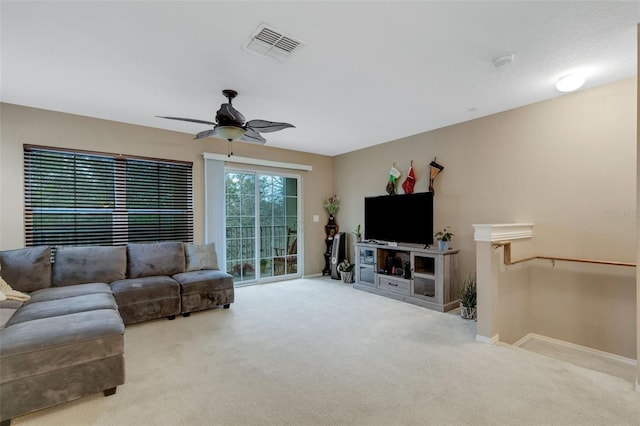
(503,60)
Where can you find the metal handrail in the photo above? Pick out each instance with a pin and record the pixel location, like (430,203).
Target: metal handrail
(507,258)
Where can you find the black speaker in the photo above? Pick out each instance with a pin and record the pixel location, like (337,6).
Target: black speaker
(338,253)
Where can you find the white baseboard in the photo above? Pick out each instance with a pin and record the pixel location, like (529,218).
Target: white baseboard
(570,345)
(490,340)
(524,340)
(319,274)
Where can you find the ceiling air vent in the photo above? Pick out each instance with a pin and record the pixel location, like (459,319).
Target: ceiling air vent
(271,42)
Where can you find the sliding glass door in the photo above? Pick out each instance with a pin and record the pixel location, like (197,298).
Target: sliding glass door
(262,226)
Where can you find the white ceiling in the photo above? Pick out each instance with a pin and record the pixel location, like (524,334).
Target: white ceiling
(370,72)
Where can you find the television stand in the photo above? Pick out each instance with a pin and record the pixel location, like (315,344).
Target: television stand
(431,280)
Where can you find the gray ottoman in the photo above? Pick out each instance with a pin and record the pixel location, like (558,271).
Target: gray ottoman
(50,360)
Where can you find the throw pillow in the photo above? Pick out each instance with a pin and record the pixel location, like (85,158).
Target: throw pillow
(27,269)
(89,264)
(201,256)
(6,292)
(150,259)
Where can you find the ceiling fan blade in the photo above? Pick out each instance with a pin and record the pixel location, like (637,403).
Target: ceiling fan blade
(205,134)
(192,120)
(253,137)
(264,126)
(227,115)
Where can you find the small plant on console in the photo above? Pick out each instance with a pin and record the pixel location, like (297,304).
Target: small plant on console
(358,234)
(443,237)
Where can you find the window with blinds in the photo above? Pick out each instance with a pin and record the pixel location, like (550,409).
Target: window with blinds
(80,198)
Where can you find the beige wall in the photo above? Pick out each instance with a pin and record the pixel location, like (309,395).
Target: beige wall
(22,125)
(568,165)
(638,213)
(590,305)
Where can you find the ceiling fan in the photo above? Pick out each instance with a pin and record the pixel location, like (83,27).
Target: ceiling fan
(231,125)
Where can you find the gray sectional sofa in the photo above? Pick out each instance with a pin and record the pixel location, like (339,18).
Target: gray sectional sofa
(67,340)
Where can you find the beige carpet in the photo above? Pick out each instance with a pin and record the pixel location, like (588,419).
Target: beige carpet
(317,352)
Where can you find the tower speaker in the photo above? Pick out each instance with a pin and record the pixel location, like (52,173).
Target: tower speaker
(338,253)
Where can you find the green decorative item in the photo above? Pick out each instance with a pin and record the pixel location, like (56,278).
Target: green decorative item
(331,205)
(394,175)
(468,298)
(443,237)
(346,271)
(358,234)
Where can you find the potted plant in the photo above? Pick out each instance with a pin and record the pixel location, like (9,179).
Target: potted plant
(346,271)
(468,298)
(332,206)
(358,234)
(443,237)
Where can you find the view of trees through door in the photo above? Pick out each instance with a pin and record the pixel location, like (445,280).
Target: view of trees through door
(261,215)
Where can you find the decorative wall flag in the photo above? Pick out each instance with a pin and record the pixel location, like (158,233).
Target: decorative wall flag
(394,175)
(410,181)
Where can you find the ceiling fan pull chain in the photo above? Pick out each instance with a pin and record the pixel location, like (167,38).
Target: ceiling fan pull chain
(229,148)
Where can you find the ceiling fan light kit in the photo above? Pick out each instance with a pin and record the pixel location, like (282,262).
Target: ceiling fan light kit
(230,124)
(229,133)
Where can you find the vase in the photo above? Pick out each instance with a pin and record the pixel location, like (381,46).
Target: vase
(331,228)
(347,277)
(468,313)
(443,245)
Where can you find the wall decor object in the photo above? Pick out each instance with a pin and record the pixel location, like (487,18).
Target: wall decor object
(435,169)
(410,181)
(394,175)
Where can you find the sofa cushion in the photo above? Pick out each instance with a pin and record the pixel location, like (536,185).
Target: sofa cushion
(151,259)
(5,316)
(27,269)
(200,257)
(145,289)
(91,264)
(55,293)
(213,280)
(11,304)
(56,308)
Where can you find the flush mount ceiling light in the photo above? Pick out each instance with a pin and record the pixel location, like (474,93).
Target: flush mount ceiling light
(570,82)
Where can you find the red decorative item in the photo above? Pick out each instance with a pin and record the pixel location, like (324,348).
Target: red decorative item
(410,181)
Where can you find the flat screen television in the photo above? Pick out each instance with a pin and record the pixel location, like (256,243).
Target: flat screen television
(402,218)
